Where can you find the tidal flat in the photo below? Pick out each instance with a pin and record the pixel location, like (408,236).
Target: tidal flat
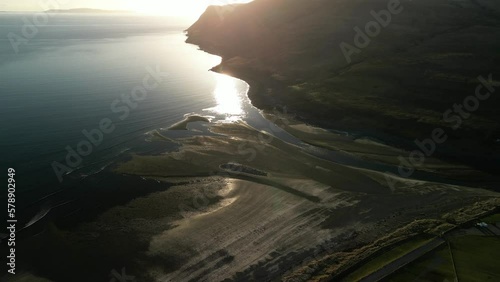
(304,216)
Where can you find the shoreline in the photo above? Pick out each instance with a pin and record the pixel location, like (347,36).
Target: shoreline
(184,214)
(299,194)
(290,178)
(197,220)
(398,145)
(485,162)
(273,82)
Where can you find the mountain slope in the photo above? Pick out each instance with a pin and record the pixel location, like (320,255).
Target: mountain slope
(398,87)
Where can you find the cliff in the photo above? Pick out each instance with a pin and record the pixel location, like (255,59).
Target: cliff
(385,68)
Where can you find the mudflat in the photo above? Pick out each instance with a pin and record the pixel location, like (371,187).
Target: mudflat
(304,216)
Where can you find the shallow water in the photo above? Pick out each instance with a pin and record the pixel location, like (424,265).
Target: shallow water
(67,77)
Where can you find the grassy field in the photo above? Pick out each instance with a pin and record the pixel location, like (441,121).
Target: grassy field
(436,266)
(492,219)
(386,258)
(476,259)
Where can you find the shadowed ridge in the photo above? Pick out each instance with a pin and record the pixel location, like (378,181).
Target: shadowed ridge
(397,88)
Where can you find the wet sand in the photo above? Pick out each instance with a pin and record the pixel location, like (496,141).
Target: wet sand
(182,125)
(301,217)
(238,225)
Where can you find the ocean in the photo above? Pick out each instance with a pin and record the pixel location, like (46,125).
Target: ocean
(77,71)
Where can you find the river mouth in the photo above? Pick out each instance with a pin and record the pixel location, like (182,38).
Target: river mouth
(165,204)
(233,202)
(196,199)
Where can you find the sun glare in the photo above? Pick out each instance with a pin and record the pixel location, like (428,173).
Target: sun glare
(226,96)
(179,8)
(168,8)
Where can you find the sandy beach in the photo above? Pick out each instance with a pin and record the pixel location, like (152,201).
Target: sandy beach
(291,160)
(300,217)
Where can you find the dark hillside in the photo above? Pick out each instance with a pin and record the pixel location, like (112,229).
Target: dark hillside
(398,87)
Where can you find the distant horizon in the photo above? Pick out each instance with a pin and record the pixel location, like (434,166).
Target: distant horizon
(90,10)
(97,11)
(174,8)
(76,9)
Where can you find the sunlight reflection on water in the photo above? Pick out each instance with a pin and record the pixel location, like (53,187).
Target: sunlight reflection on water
(228,98)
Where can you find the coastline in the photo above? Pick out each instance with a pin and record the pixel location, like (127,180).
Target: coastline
(311,207)
(442,164)
(485,161)
(206,211)
(454,164)
(251,50)
(184,216)
(200,220)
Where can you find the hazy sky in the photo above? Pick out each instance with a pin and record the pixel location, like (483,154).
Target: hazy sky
(189,8)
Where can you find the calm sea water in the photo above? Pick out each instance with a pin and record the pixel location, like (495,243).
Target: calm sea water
(65,79)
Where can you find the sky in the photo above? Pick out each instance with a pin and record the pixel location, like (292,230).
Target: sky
(182,8)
